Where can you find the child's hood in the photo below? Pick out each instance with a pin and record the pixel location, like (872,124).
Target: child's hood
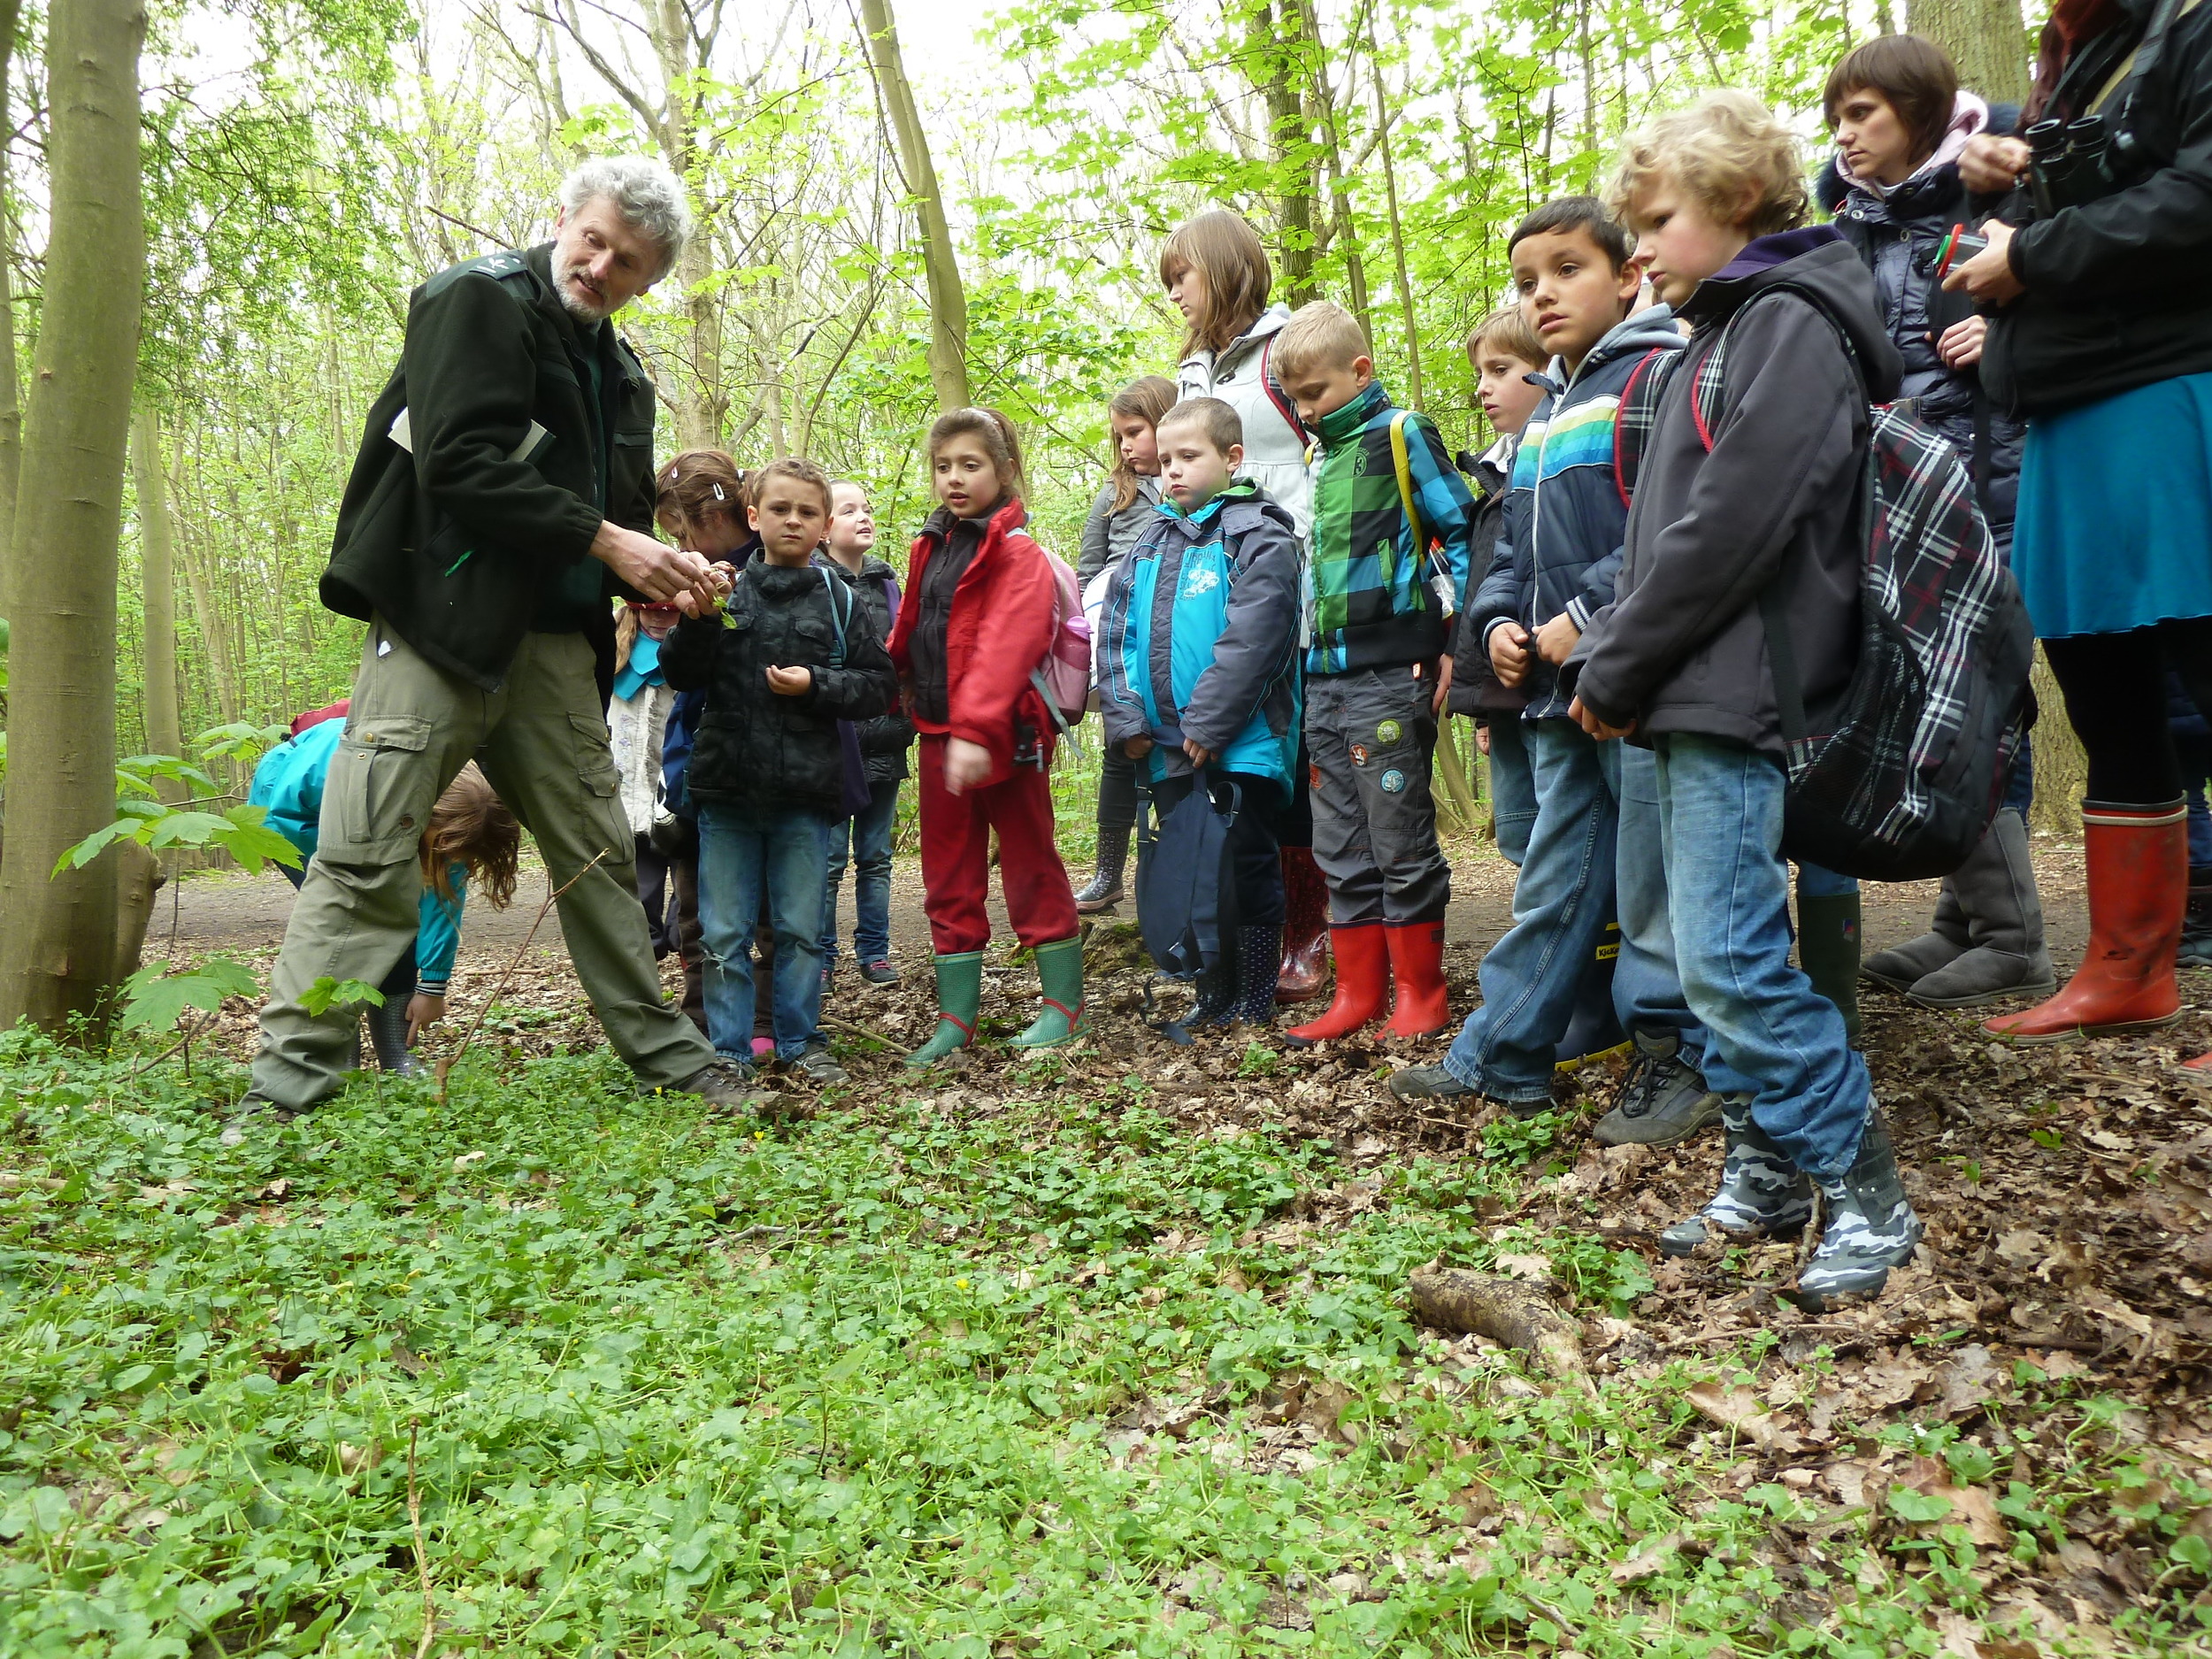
(1818,261)
(1653,329)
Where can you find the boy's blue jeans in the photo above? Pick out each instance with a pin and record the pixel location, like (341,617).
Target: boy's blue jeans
(1512,786)
(865,842)
(1593,857)
(1769,1035)
(748,857)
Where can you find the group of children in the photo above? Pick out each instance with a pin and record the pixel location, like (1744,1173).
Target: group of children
(1292,581)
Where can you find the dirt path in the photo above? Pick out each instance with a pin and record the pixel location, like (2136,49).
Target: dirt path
(228,911)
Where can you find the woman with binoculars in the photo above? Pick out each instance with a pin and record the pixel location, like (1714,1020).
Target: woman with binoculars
(2099,333)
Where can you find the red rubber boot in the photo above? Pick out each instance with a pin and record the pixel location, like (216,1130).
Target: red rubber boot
(1416,966)
(1362,984)
(2137,859)
(1305,928)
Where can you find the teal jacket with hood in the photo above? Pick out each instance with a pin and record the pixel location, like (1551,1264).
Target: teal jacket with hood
(1199,638)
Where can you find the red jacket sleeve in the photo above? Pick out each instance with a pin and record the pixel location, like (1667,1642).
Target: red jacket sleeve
(910,607)
(1001,626)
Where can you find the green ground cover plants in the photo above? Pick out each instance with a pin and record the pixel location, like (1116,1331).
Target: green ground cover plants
(1001,1365)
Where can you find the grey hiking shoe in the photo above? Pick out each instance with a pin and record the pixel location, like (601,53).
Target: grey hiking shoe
(817,1066)
(1870,1227)
(1663,1100)
(731,1085)
(1763,1194)
(1428,1082)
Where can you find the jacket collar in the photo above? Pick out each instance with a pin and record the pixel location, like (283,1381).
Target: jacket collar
(1718,295)
(1652,329)
(1238,489)
(1340,424)
(1005,518)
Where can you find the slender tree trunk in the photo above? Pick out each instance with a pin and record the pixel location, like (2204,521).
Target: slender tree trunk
(1275,49)
(1397,229)
(940,263)
(57,951)
(1986,40)
(10,394)
(157,586)
(703,402)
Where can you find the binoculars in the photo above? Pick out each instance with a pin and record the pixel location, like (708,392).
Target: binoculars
(2069,162)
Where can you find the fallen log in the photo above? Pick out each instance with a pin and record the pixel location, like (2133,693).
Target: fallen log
(1510,1311)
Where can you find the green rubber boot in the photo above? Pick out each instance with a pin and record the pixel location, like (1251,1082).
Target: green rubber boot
(1828,948)
(1060,969)
(959,994)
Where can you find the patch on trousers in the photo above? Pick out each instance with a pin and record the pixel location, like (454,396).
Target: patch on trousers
(1388,733)
(1359,754)
(1313,776)
(1393,781)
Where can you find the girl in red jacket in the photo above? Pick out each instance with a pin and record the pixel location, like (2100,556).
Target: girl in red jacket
(977,617)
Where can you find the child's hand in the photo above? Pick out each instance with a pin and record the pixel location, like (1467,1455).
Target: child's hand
(790,682)
(1508,652)
(1596,727)
(1195,752)
(423,1010)
(1482,737)
(1137,747)
(1960,346)
(1556,640)
(966,764)
(1443,683)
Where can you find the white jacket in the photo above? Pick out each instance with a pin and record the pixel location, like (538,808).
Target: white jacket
(1274,445)
(636,727)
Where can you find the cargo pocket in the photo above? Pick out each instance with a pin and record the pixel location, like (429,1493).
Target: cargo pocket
(377,798)
(607,825)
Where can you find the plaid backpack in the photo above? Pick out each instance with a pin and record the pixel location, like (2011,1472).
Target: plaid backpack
(1907,774)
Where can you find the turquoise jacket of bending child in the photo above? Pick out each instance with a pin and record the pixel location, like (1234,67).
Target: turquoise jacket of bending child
(288,785)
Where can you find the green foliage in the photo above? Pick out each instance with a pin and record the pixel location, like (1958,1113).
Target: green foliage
(241,830)
(153,998)
(326,994)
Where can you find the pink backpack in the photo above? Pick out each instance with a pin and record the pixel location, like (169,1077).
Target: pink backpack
(1063,675)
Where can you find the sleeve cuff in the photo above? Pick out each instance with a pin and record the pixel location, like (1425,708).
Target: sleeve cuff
(1578,612)
(431,988)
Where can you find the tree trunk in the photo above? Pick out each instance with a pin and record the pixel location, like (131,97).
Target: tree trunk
(702,400)
(11,393)
(1986,39)
(940,264)
(157,588)
(57,951)
(1275,52)
(1397,228)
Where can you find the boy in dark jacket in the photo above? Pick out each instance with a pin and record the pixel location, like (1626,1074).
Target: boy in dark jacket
(1198,677)
(1596,805)
(1679,660)
(1381,590)
(865,842)
(791,651)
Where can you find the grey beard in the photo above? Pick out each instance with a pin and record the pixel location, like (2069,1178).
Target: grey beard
(582,311)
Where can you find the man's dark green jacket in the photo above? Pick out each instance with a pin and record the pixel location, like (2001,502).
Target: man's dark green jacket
(463,546)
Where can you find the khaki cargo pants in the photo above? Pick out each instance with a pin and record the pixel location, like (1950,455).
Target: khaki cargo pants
(542,740)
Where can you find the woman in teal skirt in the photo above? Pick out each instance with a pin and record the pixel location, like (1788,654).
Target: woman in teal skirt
(2101,334)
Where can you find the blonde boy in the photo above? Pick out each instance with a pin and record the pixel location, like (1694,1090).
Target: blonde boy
(1754,504)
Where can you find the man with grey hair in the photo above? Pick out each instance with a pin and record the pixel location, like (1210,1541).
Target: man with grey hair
(502,493)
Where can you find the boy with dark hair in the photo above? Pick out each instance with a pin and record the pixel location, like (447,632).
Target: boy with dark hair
(1681,660)
(1198,678)
(1592,847)
(1382,587)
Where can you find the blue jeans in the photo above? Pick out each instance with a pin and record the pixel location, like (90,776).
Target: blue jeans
(1815,882)
(864,841)
(1769,1035)
(1512,786)
(1647,987)
(1561,905)
(749,857)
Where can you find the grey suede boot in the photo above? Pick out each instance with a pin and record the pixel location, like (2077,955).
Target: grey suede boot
(1763,1194)
(1905,965)
(2004,920)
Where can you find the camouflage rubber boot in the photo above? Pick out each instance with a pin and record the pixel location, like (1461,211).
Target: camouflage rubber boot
(1871,1226)
(1763,1194)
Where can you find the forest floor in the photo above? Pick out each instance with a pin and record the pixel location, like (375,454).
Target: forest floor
(1107,1350)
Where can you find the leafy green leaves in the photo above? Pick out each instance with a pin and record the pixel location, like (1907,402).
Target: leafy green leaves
(326,994)
(153,998)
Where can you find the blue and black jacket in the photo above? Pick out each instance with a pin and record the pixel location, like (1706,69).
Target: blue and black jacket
(1566,513)
(1199,639)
